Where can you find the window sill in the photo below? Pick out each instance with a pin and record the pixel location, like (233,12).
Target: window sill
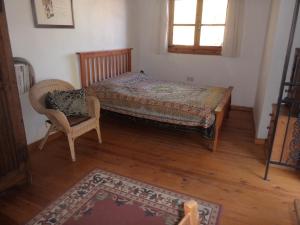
(203,50)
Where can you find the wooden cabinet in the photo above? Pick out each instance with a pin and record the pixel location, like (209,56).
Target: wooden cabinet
(283,149)
(13,146)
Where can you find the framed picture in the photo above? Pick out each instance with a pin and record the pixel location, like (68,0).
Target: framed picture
(53,13)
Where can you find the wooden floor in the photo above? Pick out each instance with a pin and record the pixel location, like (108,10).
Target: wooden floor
(171,159)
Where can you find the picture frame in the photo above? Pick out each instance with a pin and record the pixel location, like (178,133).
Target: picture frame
(53,13)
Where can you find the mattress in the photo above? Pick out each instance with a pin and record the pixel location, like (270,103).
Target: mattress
(140,95)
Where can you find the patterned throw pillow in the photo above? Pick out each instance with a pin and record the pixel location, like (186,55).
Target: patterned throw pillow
(71,103)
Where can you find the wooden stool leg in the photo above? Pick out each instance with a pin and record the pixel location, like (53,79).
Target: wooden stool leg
(191,214)
(72,149)
(99,134)
(191,207)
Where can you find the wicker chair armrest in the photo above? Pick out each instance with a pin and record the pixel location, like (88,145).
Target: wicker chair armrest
(58,119)
(93,105)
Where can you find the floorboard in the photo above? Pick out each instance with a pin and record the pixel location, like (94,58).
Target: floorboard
(172,159)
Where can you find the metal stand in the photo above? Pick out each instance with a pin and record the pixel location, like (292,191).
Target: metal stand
(282,101)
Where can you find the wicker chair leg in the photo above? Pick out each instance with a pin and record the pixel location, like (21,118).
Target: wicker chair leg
(42,144)
(99,134)
(72,149)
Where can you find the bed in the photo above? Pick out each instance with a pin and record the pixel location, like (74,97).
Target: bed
(107,75)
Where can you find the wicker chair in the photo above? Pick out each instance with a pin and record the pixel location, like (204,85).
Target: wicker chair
(58,120)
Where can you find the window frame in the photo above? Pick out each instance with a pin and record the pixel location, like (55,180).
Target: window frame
(196,48)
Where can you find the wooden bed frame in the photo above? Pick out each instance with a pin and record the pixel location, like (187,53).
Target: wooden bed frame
(101,65)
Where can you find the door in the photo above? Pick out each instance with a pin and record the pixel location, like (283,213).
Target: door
(13,146)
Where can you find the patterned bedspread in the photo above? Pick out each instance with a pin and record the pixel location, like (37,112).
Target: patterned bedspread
(173,102)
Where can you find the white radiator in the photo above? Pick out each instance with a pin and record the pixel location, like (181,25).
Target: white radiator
(23,77)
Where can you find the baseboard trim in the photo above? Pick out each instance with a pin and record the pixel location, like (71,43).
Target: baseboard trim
(241,108)
(52,137)
(259,141)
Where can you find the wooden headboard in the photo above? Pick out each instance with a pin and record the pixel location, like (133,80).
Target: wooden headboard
(101,65)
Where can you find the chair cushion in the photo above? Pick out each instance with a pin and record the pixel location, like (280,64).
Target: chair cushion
(74,120)
(71,103)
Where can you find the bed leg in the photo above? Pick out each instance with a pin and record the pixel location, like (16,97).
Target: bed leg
(214,143)
(218,125)
(228,108)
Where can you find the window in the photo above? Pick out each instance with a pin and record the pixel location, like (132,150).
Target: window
(197,26)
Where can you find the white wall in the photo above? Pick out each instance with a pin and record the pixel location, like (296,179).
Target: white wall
(108,24)
(241,72)
(99,24)
(272,65)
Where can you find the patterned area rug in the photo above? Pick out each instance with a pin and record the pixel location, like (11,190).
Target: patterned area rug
(108,199)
